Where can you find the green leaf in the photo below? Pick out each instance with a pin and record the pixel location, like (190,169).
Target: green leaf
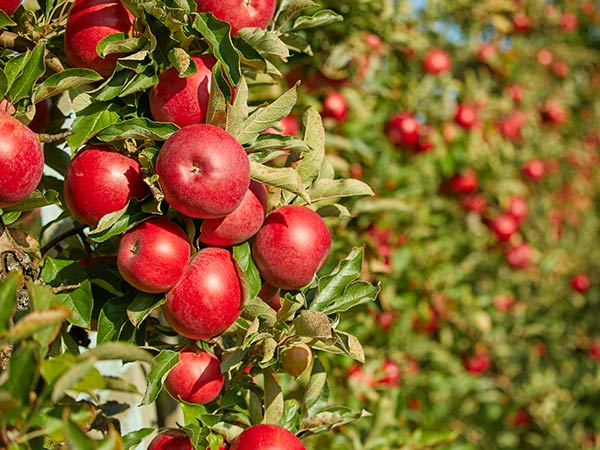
(265,117)
(76,437)
(75,374)
(216,111)
(285,178)
(433,438)
(319,19)
(273,399)
(118,350)
(242,254)
(91,121)
(36,199)
(218,38)
(33,322)
(32,69)
(331,418)
(162,364)
(294,7)
(142,306)
(118,43)
(332,189)
(317,390)
(3,84)
(133,438)
(314,136)
(113,323)
(43,298)
(23,372)
(237,113)
(266,43)
(257,308)
(5,21)
(334,288)
(350,345)
(181,60)
(138,128)
(64,81)
(61,272)
(8,298)
(118,222)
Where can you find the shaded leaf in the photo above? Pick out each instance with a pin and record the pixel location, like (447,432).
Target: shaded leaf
(64,81)
(285,178)
(138,128)
(161,364)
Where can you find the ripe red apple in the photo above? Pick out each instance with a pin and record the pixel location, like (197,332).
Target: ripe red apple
(204,171)
(560,68)
(504,226)
(99,181)
(464,182)
(239,225)
(21,161)
(580,282)
(335,106)
(296,359)
(474,202)
(270,295)
(240,13)
(392,374)
(516,92)
(10,6)
(534,169)
(291,246)
(208,298)
(153,255)
(594,350)
(552,112)
(386,320)
(429,324)
(171,439)
(90,21)
(545,57)
(436,61)
(521,22)
(519,256)
(266,437)
(478,363)
(510,126)
(517,207)
(486,52)
(466,116)
(504,302)
(183,101)
(403,130)
(568,22)
(196,377)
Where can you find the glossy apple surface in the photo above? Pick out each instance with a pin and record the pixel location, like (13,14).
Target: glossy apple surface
(21,161)
(267,437)
(90,21)
(10,6)
(240,13)
(99,181)
(464,182)
(204,171)
(291,246)
(208,298)
(153,255)
(195,378)
(504,226)
(403,130)
(171,439)
(466,116)
(580,282)
(183,101)
(239,225)
(335,106)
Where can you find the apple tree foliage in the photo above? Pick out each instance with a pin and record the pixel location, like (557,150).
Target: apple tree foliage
(63,305)
(485,334)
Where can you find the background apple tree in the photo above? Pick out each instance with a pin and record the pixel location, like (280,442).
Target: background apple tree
(66,307)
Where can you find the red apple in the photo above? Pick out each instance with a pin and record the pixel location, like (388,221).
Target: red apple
(291,246)
(270,295)
(504,226)
(580,282)
(90,21)
(517,207)
(403,130)
(436,61)
(545,57)
(534,169)
(478,363)
(288,126)
(429,324)
(266,437)
(386,320)
(41,118)
(171,439)
(335,106)
(594,350)
(208,298)
(560,69)
(519,256)
(552,112)
(239,225)
(474,202)
(99,181)
(516,92)
(10,6)
(504,302)
(520,418)
(153,255)
(21,161)
(464,182)
(510,125)
(183,101)
(521,22)
(486,52)
(392,374)
(240,13)
(568,22)
(204,171)
(466,116)
(195,378)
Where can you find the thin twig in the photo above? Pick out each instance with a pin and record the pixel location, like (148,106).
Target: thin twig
(43,137)
(19,43)
(72,232)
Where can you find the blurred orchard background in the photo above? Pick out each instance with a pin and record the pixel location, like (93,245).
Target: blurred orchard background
(477,125)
